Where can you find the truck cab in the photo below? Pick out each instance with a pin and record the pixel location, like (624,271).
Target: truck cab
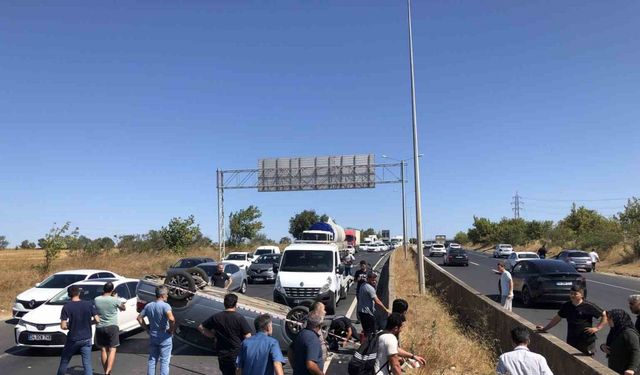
(311,271)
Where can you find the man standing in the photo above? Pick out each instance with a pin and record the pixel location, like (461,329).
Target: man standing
(348,264)
(307,352)
(161,327)
(579,314)
(521,361)
(594,259)
(220,279)
(260,354)
(360,276)
(389,354)
(367,301)
(634,306)
(107,331)
(229,328)
(506,287)
(76,316)
(542,251)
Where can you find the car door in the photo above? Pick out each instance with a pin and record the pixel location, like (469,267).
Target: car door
(127,317)
(336,268)
(236,276)
(517,274)
(512,260)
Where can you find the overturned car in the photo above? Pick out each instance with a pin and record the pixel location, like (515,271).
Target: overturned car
(193,300)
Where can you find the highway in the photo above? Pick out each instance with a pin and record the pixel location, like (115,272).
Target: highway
(132,353)
(606,291)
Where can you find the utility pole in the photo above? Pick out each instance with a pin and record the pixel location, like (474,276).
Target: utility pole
(516,203)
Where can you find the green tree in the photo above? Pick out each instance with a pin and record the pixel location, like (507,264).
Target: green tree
(538,230)
(300,222)
(285,241)
(461,238)
(262,239)
(367,232)
(630,222)
(512,231)
(54,242)
(180,233)
(3,242)
(483,230)
(244,224)
(27,245)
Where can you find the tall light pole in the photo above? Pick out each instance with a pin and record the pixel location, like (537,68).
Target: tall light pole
(416,162)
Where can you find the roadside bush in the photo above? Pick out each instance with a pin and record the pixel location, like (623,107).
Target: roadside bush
(180,234)
(512,231)
(483,230)
(461,238)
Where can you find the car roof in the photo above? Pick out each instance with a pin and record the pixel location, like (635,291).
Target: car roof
(194,258)
(312,246)
(81,272)
(104,281)
(524,252)
(239,252)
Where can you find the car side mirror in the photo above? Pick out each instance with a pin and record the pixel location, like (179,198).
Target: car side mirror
(37,285)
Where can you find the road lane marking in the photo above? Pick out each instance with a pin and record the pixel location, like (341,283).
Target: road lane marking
(615,286)
(474,263)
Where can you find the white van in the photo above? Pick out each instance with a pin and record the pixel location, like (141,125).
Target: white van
(311,272)
(261,250)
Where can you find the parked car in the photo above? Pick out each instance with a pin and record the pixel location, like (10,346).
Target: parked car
(240,259)
(52,285)
(364,246)
(515,257)
(261,250)
(437,249)
(40,328)
(502,250)
(545,280)
(264,268)
(454,245)
(577,258)
(455,256)
(239,279)
(185,263)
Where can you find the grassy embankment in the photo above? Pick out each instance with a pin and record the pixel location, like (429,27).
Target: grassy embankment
(616,260)
(20,274)
(433,332)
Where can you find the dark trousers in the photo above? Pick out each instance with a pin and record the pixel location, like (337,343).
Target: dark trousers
(227,365)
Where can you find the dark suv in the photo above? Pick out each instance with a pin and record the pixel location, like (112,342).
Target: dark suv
(545,280)
(185,263)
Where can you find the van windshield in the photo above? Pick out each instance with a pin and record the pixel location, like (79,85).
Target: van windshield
(307,261)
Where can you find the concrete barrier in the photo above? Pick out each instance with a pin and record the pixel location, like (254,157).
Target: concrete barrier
(490,320)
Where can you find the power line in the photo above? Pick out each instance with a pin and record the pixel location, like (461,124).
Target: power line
(576,200)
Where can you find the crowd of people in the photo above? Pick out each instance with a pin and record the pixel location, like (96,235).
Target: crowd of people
(242,349)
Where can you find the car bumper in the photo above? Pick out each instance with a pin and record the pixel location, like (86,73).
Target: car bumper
(458,262)
(49,337)
(262,276)
(283,299)
(437,253)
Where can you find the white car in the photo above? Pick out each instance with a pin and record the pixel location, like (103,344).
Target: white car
(454,245)
(515,257)
(240,259)
(40,328)
(437,249)
(34,297)
(502,250)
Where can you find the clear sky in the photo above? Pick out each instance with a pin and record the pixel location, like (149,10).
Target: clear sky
(115,115)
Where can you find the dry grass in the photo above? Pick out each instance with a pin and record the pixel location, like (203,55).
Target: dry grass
(432,332)
(23,275)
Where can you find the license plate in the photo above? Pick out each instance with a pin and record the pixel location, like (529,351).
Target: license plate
(564,283)
(459,257)
(297,301)
(39,337)
(259,278)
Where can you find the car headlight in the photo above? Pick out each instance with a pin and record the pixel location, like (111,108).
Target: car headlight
(21,322)
(279,287)
(326,287)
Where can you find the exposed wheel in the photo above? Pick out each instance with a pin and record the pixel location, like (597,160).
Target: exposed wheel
(331,306)
(527,300)
(296,318)
(243,288)
(199,276)
(181,285)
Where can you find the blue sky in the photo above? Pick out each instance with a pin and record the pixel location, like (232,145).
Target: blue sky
(116,115)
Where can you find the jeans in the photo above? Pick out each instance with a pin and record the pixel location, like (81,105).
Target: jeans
(159,350)
(347,270)
(70,349)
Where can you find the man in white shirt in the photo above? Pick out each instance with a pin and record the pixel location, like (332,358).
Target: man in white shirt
(389,354)
(506,287)
(521,361)
(594,259)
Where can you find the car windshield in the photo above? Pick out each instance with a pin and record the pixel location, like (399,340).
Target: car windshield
(307,261)
(530,256)
(505,247)
(236,257)
(262,251)
(438,246)
(553,266)
(61,281)
(267,259)
(578,254)
(87,293)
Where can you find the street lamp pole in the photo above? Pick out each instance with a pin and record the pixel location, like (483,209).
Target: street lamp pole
(416,162)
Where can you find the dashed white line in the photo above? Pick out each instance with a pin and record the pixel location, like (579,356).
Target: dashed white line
(615,286)
(474,263)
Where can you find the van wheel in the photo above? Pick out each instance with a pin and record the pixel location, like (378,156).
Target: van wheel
(527,300)
(199,276)
(331,306)
(180,284)
(296,317)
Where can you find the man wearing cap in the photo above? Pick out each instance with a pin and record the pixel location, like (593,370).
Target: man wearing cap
(367,301)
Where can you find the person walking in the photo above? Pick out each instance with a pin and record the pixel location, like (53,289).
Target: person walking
(522,361)
(367,301)
(542,251)
(77,316)
(594,259)
(389,354)
(107,330)
(623,343)
(307,352)
(161,327)
(634,306)
(260,354)
(229,328)
(348,264)
(506,287)
(360,276)
(220,279)
(579,314)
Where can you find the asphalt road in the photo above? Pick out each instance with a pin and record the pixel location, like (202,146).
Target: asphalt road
(132,353)
(606,291)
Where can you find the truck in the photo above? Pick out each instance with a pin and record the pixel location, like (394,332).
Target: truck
(353,238)
(441,238)
(310,269)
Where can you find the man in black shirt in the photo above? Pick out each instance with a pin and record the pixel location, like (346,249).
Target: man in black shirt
(361,275)
(579,314)
(220,279)
(634,306)
(229,328)
(341,331)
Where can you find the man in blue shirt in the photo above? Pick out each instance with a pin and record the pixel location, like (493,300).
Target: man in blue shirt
(307,352)
(161,328)
(260,354)
(76,316)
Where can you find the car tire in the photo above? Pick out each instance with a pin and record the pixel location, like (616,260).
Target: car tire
(197,272)
(182,280)
(243,287)
(331,306)
(295,321)
(527,300)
